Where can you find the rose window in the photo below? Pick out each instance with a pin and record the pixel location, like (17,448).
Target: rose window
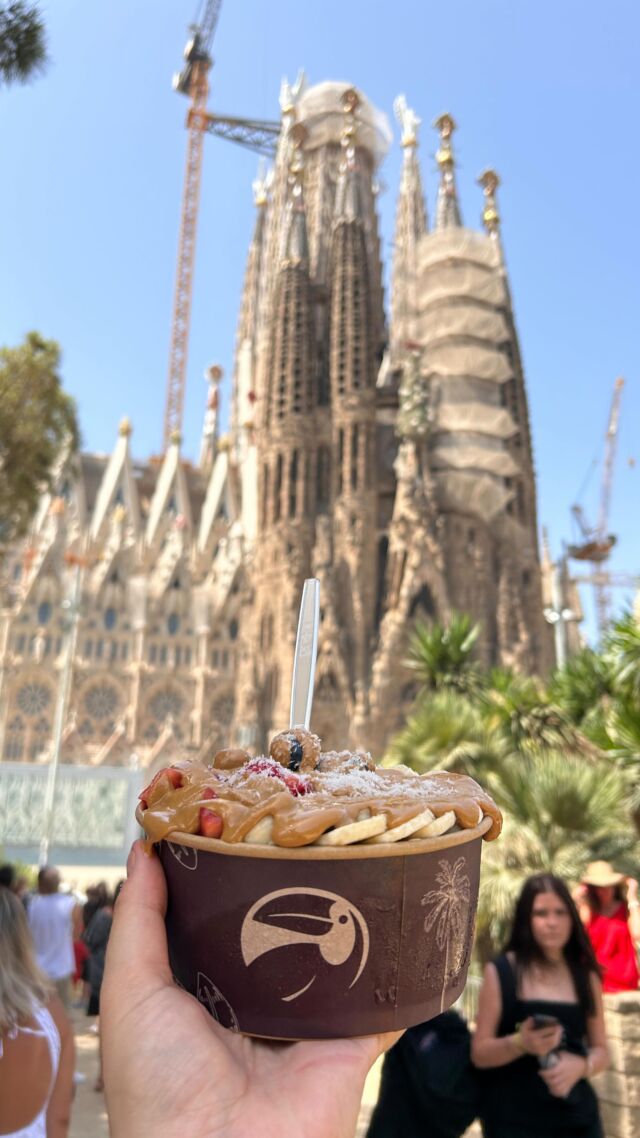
(33,698)
(101,701)
(166,702)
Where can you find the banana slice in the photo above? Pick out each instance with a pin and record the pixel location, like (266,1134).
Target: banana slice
(438,826)
(260,834)
(354,832)
(405,829)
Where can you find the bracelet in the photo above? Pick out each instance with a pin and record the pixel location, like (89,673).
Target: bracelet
(516,1039)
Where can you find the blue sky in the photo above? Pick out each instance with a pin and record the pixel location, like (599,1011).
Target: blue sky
(544,90)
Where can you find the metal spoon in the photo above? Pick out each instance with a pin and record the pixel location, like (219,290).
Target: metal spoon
(304,661)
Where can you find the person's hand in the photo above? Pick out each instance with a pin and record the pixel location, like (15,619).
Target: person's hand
(539,1041)
(170,1069)
(567,1072)
(632,889)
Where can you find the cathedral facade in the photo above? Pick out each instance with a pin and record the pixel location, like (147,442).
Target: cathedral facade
(152,610)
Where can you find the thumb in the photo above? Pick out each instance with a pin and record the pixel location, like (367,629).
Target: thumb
(137,954)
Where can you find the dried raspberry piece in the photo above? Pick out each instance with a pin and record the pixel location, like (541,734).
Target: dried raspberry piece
(263,765)
(295,784)
(208,792)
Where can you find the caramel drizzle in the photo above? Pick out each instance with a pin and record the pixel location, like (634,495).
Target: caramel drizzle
(300,821)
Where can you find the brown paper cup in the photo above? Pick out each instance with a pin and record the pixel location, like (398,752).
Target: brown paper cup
(318,944)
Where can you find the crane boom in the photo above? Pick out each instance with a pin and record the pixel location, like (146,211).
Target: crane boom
(196,125)
(609,459)
(207,23)
(598,542)
(255,134)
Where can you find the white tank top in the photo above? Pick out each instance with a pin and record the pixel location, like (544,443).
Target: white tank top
(46,1029)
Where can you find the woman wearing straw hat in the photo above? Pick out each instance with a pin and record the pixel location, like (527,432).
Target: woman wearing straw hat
(612,922)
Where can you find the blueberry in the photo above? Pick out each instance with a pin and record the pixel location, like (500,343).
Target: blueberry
(295,753)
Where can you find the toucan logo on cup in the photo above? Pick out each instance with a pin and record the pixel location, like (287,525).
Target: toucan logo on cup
(216,1004)
(265,929)
(186,856)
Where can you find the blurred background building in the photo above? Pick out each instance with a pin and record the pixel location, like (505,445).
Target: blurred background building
(155,602)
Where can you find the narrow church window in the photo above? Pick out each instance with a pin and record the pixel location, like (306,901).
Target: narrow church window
(177,655)
(110,619)
(173,623)
(99,647)
(153,653)
(277,490)
(265,495)
(187,656)
(20,643)
(233,629)
(44,612)
(163,654)
(354,457)
(324,479)
(293,484)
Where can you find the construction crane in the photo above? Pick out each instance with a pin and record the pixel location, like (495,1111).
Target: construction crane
(597,542)
(256,134)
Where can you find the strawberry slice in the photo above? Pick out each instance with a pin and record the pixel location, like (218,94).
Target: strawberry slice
(164,780)
(210,824)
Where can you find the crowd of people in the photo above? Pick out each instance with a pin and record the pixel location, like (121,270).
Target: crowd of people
(52,957)
(525,1072)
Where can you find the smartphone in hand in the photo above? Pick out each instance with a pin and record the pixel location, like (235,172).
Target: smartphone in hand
(540,1021)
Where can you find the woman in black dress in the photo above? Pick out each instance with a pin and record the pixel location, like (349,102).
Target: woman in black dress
(540,1032)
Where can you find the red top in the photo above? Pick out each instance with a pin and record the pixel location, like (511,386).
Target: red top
(615,950)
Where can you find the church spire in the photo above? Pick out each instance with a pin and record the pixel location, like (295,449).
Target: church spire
(209,440)
(348,206)
(448,207)
(411,225)
(295,245)
(490,181)
(290,376)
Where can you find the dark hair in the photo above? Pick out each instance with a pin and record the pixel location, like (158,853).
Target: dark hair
(97,898)
(7,875)
(594,901)
(578,952)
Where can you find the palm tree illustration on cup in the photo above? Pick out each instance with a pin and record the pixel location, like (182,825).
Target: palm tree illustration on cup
(448,913)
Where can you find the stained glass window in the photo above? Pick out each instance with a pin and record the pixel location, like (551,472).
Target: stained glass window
(33,697)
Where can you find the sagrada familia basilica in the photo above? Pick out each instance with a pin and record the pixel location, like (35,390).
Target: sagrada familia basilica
(389,455)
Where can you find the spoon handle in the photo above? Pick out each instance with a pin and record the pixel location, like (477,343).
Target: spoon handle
(304,661)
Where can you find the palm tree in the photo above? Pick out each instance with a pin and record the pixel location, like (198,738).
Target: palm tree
(441,655)
(519,708)
(584,683)
(560,813)
(23,45)
(446,732)
(622,651)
